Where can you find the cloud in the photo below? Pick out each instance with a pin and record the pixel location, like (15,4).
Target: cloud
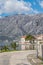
(41,4)
(36,11)
(16,6)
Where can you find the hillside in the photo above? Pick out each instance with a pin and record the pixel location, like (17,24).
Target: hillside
(19,25)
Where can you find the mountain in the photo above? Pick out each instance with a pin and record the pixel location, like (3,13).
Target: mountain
(19,25)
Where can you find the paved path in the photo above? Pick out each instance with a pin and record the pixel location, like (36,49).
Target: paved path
(15,58)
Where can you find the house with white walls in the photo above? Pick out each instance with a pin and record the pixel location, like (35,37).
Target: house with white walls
(25,45)
(22,42)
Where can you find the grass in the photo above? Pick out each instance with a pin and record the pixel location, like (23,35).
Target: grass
(11,51)
(42,63)
(7,51)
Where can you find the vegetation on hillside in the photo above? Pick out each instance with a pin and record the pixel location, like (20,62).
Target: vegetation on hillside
(30,37)
(13,45)
(7,48)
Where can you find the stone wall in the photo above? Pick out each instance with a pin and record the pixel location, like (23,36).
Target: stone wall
(40,51)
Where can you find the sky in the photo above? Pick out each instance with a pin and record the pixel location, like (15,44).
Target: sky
(10,7)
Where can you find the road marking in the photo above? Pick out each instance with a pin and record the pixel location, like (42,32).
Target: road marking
(33,60)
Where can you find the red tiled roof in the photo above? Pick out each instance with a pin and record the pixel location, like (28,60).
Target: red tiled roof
(23,37)
(39,36)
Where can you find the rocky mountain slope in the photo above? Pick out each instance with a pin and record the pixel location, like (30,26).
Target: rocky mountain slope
(19,25)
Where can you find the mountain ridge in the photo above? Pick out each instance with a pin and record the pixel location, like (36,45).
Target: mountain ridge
(19,25)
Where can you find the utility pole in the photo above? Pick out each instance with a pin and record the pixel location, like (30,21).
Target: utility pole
(36,34)
(41,32)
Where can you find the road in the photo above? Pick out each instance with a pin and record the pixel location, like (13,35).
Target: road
(15,58)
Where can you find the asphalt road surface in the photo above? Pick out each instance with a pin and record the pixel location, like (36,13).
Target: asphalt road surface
(15,58)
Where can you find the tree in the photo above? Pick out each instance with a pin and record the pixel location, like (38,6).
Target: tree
(31,38)
(5,48)
(13,45)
